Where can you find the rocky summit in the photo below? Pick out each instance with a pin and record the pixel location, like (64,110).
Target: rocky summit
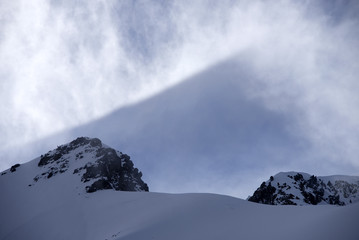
(92,163)
(294,188)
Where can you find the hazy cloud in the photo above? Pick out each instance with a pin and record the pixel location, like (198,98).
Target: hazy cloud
(65,63)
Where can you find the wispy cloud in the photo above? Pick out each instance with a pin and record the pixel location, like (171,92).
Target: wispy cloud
(65,63)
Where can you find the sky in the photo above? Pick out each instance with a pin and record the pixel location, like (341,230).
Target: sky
(65,66)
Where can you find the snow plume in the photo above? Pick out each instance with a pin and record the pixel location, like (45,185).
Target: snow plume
(65,63)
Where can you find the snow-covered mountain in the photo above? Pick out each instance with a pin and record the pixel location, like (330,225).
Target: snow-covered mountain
(69,193)
(295,188)
(87,163)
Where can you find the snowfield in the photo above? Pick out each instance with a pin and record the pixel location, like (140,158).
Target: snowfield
(51,214)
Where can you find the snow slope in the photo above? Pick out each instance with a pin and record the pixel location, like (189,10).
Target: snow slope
(142,215)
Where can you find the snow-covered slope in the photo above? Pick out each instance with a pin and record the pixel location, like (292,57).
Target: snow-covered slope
(51,197)
(46,213)
(294,188)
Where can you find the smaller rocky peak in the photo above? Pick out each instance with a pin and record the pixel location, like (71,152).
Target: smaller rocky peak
(295,188)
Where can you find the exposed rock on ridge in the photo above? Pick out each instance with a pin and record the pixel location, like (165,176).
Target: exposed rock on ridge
(99,166)
(303,189)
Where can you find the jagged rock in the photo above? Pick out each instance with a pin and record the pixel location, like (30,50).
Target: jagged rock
(101,167)
(13,168)
(56,154)
(264,194)
(301,189)
(98,185)
(115,170)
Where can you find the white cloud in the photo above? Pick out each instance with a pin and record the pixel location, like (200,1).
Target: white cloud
(65,63)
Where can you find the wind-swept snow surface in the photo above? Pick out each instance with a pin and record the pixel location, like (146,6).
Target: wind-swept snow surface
(52,213)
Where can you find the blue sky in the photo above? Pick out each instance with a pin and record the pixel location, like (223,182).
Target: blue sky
(292,68)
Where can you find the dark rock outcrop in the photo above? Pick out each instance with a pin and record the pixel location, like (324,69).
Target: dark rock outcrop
(114,171)
(264,194)
(13,168)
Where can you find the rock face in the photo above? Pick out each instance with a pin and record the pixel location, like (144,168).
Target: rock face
(293,188)
(98,166)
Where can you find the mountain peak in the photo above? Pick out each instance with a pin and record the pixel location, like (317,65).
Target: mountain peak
(92,163)
(298,188)
(54,155)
